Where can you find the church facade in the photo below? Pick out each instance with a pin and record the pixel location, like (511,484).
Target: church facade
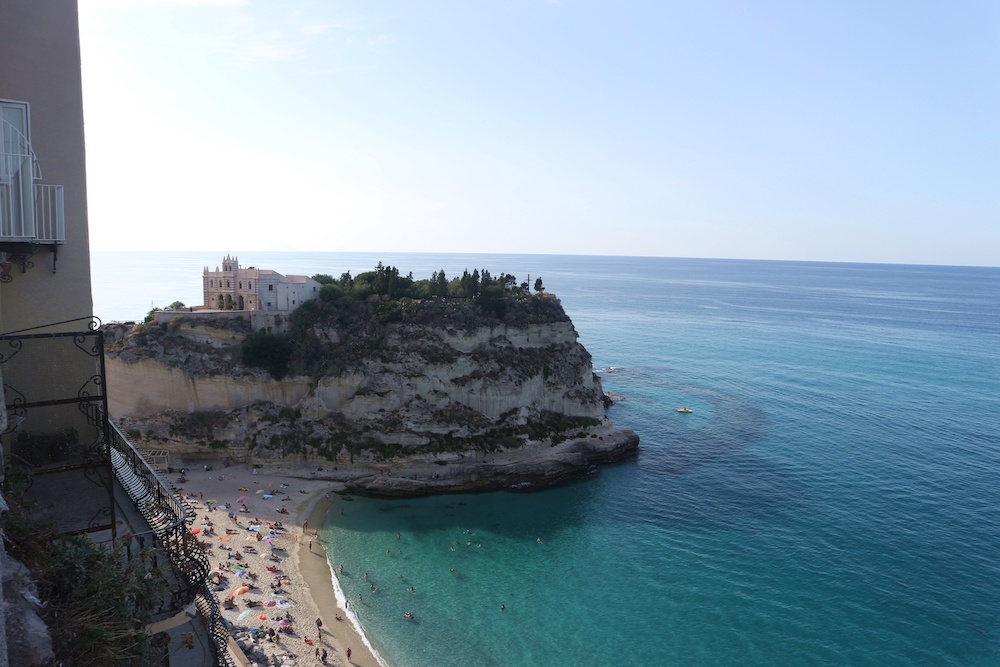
(248,288)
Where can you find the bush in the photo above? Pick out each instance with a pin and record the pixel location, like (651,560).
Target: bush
(97,600)
(270,351)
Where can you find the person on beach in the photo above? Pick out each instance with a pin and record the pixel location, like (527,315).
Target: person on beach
(348,652)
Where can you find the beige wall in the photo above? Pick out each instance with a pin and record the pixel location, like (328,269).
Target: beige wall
(40,64)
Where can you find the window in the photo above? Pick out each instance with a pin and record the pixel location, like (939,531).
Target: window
(16,199)
(270,288)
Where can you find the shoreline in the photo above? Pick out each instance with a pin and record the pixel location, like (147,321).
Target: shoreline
(307,591)
(320,585)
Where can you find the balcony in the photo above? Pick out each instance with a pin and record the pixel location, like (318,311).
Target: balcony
(30,212)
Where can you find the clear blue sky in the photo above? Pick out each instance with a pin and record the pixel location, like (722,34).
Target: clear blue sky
(843,131)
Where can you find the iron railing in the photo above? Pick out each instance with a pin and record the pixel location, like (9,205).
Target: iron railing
(169,516)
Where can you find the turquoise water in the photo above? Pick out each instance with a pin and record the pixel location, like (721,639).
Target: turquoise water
(832,499)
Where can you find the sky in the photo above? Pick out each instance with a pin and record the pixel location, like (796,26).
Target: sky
(831,131)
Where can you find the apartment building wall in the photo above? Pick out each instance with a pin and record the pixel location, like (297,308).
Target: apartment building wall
(40,64)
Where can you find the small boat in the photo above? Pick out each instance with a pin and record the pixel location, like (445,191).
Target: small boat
(684,410)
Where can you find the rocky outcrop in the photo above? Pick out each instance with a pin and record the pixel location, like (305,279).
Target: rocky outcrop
(473,406)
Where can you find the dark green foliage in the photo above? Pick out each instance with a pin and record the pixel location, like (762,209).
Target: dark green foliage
(270,351)
(353,315)
(97,600)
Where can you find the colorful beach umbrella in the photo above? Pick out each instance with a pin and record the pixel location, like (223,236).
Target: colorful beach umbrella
(241,499)
(242,589)
(195,531)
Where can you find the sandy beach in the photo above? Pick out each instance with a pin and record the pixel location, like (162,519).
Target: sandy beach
(251,521)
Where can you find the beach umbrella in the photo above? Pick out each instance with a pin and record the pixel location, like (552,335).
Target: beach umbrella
(195,531)
(259,491)
(262,617)
(270,603)
(282,622)
(241,499)
(268,538)
(242,589)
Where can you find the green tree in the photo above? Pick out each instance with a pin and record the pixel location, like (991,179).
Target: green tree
(270,351)
(441,284)
(538,285)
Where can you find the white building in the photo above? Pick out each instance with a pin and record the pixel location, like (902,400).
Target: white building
(238,288)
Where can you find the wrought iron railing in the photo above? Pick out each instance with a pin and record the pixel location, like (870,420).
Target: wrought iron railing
(55,404)
(169,516)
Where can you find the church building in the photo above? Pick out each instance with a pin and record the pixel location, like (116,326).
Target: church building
(250,288)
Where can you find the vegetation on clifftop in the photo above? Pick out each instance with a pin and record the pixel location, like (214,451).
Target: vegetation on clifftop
(353,315)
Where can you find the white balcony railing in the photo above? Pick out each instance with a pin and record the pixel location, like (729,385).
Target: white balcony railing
(50,219)
(29,211)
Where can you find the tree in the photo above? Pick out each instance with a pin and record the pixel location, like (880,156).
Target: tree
(439,284)
(175,305)
(538,285)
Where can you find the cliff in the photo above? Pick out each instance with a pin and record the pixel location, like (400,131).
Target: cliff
(443,395)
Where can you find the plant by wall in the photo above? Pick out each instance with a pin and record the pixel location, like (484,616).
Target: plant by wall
(96,599)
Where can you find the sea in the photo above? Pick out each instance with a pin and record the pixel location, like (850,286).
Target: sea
(833,498)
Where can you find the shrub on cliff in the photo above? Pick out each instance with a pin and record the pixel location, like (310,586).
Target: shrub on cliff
(270,351)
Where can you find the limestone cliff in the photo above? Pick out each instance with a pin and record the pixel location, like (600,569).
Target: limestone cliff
(456,398)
